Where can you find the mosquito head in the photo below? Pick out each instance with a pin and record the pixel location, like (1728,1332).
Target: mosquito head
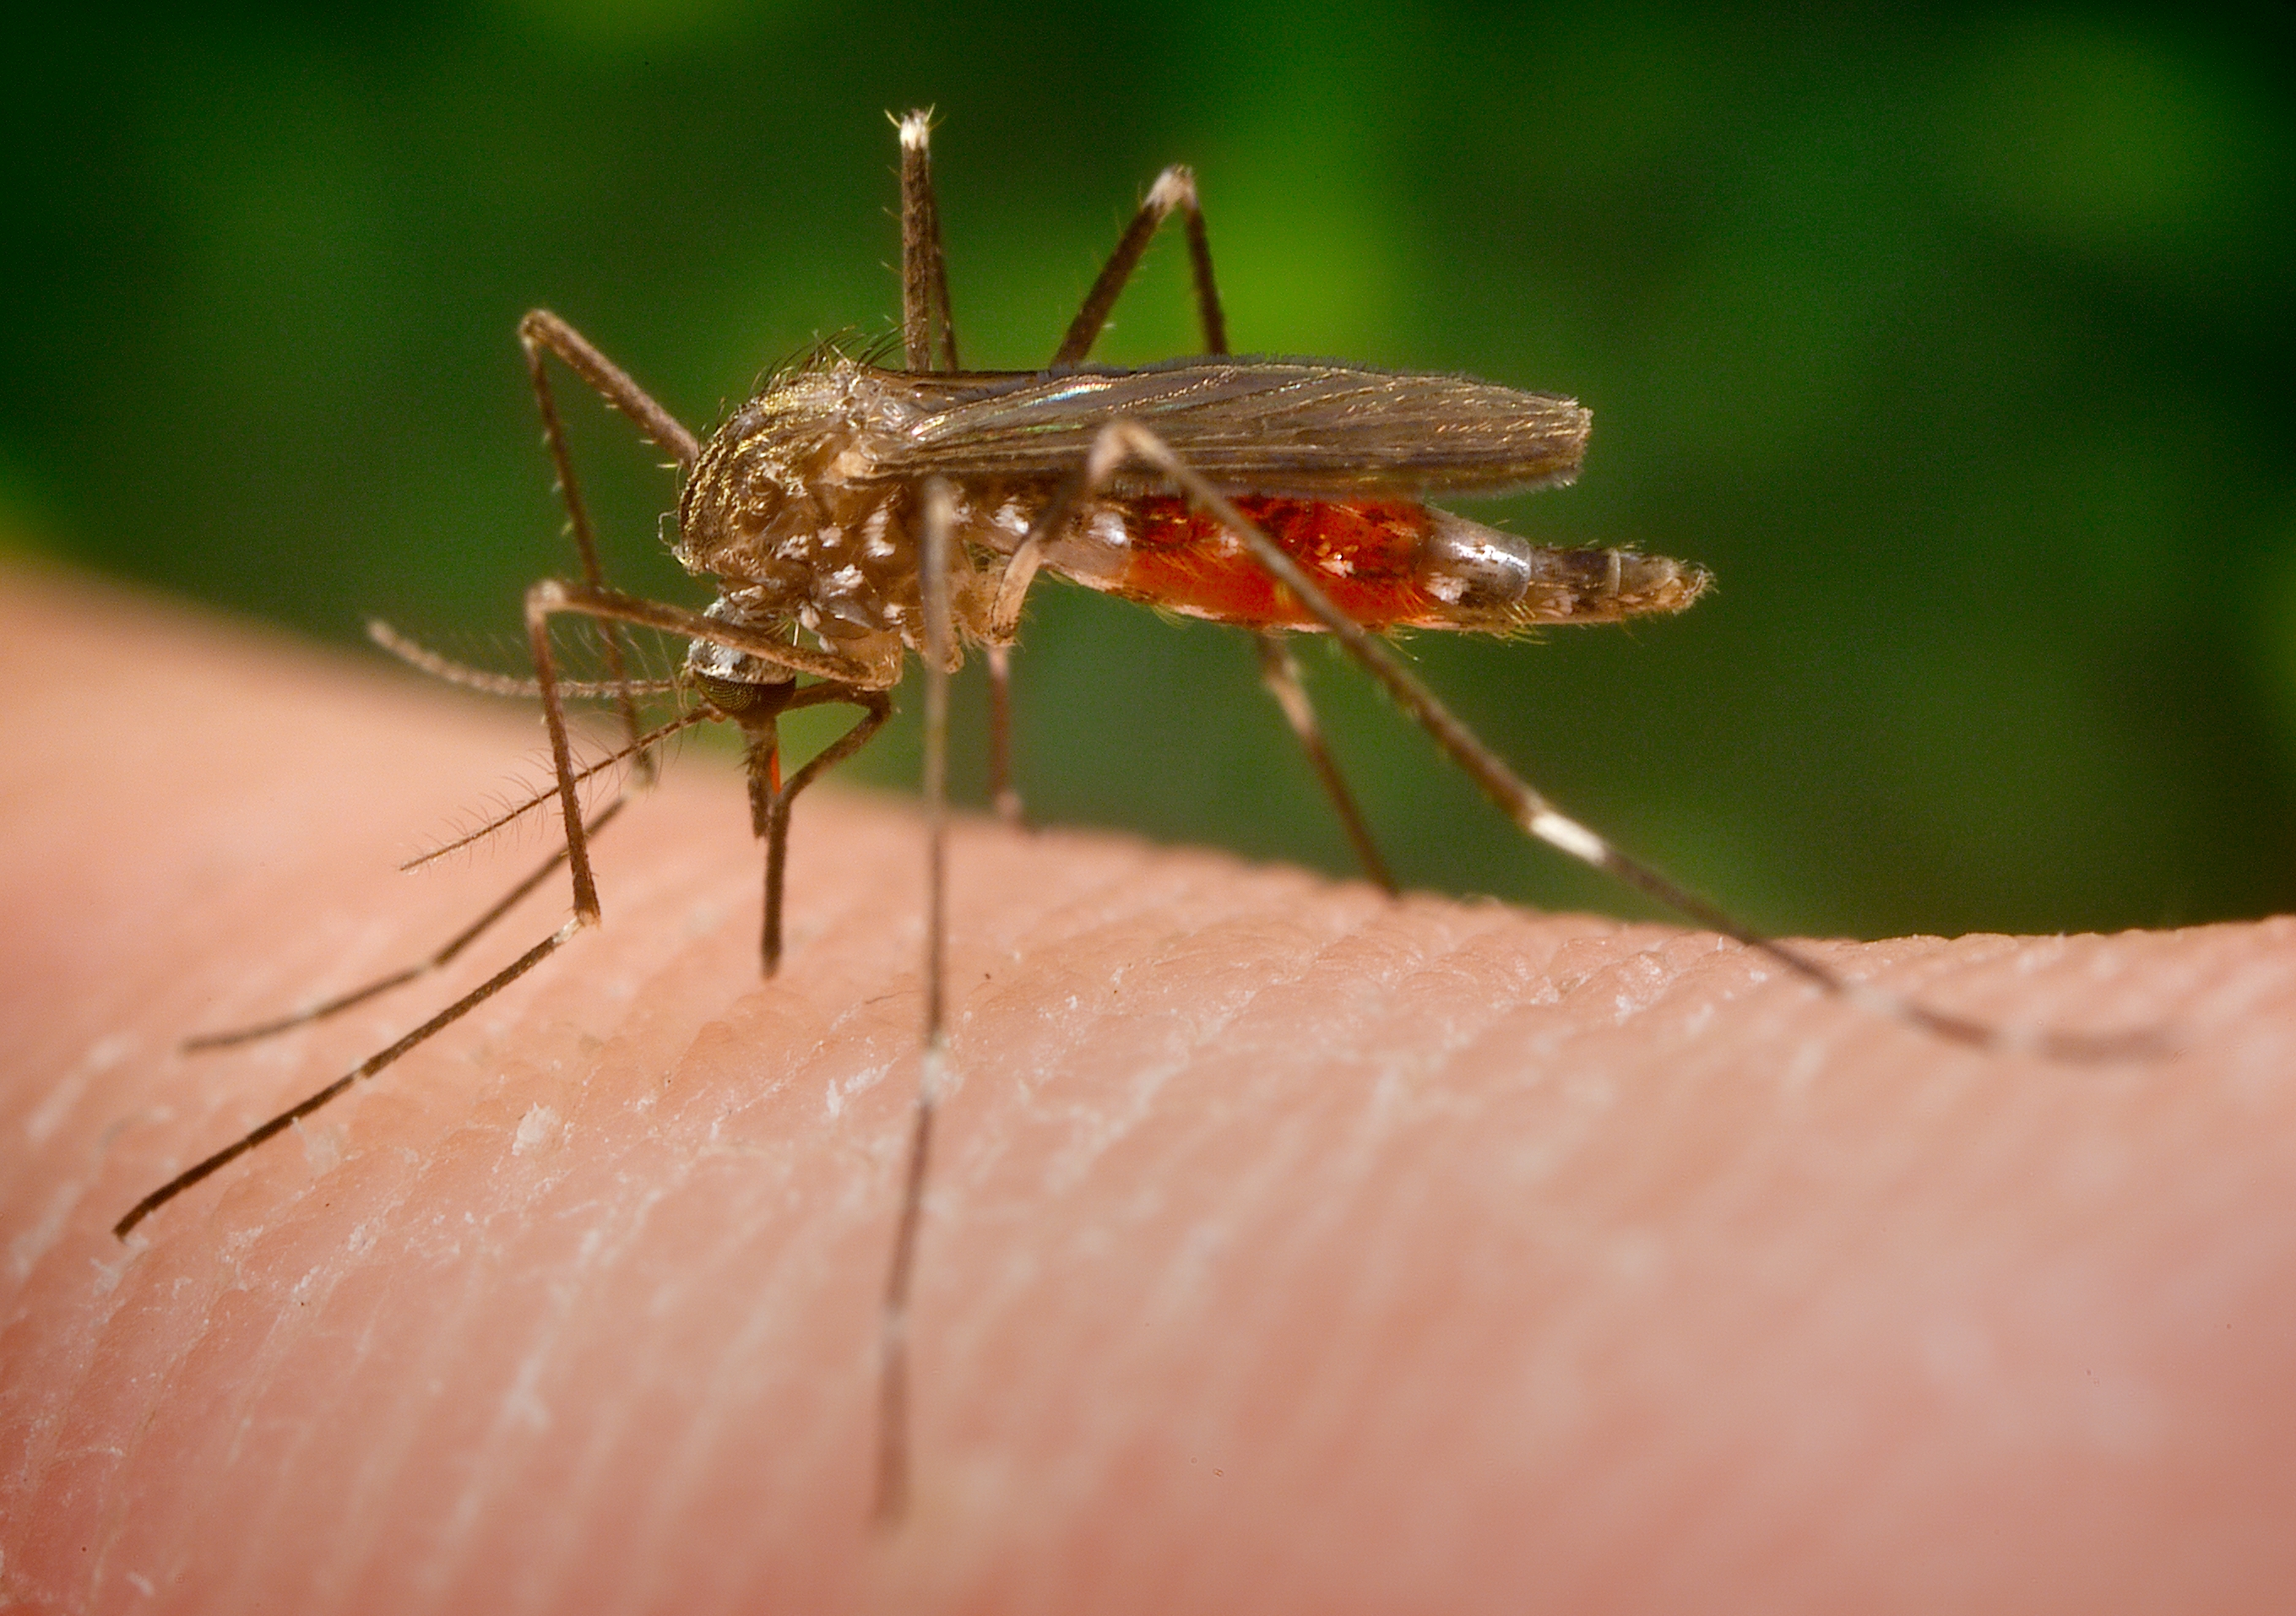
(787,479)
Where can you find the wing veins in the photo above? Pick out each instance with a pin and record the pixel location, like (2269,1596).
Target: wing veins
(1265,426)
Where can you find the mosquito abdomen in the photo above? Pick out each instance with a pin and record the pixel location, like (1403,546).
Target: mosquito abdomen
(1388,563)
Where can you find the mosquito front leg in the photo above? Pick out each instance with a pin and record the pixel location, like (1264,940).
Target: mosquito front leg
(446,954)
(541,330)
(438,959)
(359,1074)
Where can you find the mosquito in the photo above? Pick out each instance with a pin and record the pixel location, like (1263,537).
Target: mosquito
(851,516)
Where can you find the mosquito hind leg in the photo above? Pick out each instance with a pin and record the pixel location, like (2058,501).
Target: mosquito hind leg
(1126,444)
(1175,190)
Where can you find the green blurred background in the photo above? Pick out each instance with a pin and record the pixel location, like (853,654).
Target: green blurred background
(1956,343)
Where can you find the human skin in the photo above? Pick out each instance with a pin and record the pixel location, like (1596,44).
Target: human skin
(1288,1248)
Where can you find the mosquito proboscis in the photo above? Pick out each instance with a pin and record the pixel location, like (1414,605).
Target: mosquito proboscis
(851,516)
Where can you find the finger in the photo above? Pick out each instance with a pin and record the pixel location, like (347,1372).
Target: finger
(1290,1248)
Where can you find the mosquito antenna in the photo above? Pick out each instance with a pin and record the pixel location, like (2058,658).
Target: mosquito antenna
(438,959)
(382,1058)
(622,754)
(425,661)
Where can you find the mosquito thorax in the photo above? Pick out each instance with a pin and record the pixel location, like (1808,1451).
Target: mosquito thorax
(783,509)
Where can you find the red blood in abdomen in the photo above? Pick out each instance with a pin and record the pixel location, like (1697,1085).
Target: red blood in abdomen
(1364,554)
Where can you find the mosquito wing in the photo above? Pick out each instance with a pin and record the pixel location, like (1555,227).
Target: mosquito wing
(1268,426)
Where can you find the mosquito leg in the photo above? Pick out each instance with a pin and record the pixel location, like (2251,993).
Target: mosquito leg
(771,798)
(924,310)
(436,960)
(542,332)
(1279,671)
(576,853)
(1174,188)
(1004,622)
(541,329)
(364,1070)
(924,268)
(1004,796)
(1020,571)
(462,940)
(939,653)
(1124,443)
(552,596)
